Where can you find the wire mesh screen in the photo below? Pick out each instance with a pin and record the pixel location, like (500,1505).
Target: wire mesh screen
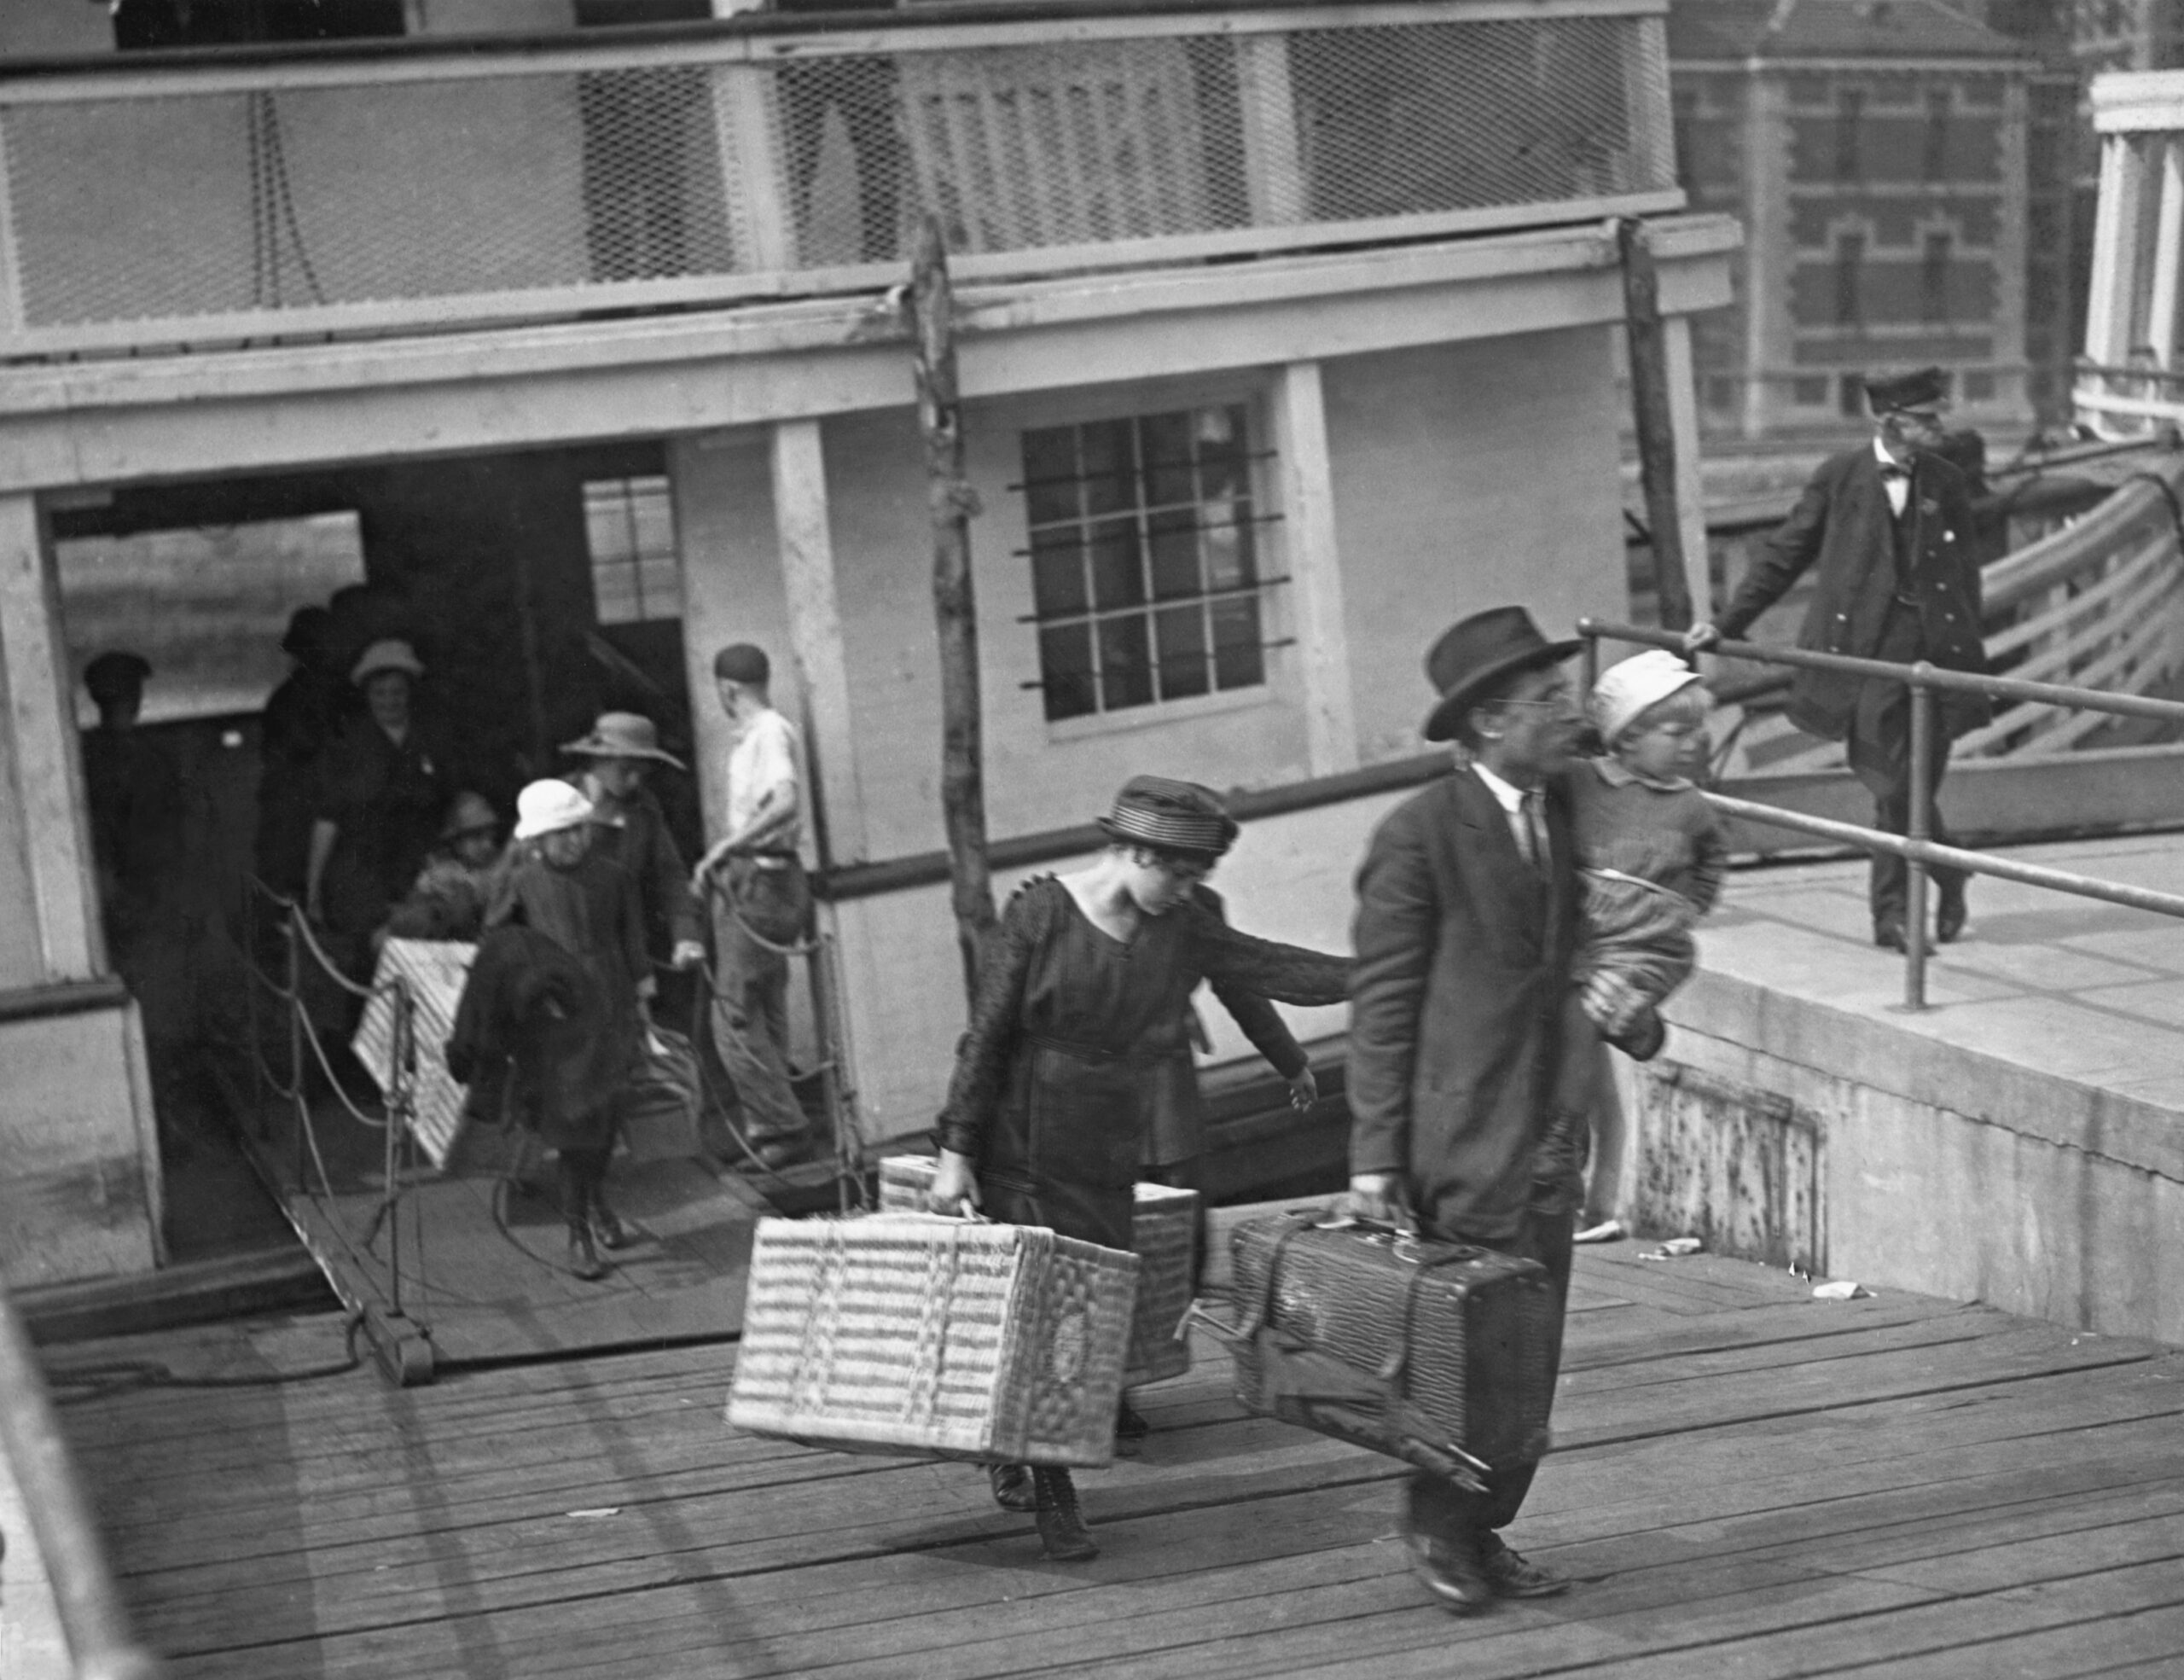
(688,177)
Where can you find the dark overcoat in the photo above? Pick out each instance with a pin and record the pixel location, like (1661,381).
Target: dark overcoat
(1464,952)
(1844,523)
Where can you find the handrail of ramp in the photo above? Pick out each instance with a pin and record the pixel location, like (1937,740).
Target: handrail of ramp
(100,1644)
(1924,681)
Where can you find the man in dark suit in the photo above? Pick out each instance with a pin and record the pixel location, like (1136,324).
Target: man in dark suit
(1459,1006)
(1889,525)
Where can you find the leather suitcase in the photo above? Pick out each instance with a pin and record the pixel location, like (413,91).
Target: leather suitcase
(1436,1353)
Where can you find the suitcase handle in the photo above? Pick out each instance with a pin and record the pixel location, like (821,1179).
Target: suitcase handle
(1403,1239)
(1198,1313)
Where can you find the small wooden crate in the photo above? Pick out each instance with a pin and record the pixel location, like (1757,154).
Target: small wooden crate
(917,1336)
(1163,1231)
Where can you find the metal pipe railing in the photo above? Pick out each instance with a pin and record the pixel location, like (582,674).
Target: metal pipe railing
(91,1614)
(1916,845)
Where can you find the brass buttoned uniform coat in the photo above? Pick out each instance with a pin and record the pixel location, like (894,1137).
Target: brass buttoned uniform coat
(1843,523)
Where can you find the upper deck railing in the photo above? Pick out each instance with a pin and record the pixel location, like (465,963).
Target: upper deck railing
(183,198)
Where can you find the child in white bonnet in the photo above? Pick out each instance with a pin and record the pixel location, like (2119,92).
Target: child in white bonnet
(1651,854)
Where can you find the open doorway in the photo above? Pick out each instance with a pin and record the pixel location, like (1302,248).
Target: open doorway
(534,590)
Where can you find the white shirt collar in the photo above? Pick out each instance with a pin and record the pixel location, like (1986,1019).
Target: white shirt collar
(1511,799)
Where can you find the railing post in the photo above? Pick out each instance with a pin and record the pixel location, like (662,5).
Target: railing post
(1274,163)
(294,934)
(1920,830)
(398,1058)
(754,167)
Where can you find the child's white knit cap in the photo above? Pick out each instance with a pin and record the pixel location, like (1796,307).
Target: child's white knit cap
(1627,689)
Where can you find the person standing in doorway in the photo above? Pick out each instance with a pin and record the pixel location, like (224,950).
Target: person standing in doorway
(134,790)
(1889,525)
(1462,1011)
(753,878)
(299,716)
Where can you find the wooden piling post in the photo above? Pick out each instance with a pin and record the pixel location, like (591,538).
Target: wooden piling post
(1649,403)
(952,503)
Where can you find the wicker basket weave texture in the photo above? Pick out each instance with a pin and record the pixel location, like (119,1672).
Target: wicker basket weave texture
(919,1336)
(1162,1235)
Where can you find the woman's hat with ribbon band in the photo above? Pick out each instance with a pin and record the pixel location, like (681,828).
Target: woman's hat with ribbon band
(1175,815)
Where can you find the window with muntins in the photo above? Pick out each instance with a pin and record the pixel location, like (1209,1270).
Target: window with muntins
(1146,581)
(629,525)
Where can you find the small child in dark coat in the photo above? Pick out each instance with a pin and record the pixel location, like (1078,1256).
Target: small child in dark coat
(1653,858)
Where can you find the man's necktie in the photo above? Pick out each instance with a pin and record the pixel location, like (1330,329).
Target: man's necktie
(1535,830)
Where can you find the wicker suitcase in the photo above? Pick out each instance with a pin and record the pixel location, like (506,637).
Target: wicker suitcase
(1163,1230)
(918,1336)
(1433,1352)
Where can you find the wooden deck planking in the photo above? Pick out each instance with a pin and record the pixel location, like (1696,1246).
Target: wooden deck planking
(1744,1471)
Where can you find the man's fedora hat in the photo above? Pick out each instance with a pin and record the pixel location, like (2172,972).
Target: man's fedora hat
(623,734)
(1925,389)
(1476,653)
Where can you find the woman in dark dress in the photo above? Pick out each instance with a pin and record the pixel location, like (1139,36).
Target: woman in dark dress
(1047,1112)
(384,784)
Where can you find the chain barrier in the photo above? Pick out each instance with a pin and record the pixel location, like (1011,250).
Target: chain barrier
(309,964)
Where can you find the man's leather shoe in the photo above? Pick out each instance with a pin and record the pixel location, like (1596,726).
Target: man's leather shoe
(1449,1570)
(1511,1575)
(1888,934)
(1948,920)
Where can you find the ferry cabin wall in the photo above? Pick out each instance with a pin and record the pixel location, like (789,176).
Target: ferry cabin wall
(1463,474)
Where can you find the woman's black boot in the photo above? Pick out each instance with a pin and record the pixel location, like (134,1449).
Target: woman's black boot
(584,1255)
(576,1208)
(1061,1525)
(1012,1486)
(607,1230)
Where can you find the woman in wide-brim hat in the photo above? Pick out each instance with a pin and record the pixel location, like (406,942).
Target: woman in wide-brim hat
(618,757)
(1046,1114)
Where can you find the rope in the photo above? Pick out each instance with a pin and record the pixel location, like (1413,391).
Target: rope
(847,1147)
